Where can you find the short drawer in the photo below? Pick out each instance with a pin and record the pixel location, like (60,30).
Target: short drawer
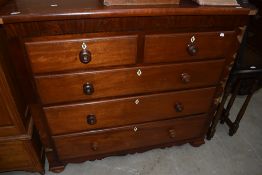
(127,81)
(80,52)
(125,111)
(187,46)
(129,137)
(13,155)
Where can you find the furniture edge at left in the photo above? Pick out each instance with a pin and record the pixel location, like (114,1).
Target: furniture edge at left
(20,146)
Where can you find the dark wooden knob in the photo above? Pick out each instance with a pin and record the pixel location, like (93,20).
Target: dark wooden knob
(91,119)
(192,49)
(85,56)
(88,89)
(94,146)
(179,107)
(185,77)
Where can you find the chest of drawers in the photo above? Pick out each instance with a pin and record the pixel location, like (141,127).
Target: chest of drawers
(20,147)
(105,81)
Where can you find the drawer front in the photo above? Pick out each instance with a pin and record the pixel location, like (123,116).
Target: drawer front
(113,113)
(81,53)
(187,46)
(129,137)
(13,155)
(120,82)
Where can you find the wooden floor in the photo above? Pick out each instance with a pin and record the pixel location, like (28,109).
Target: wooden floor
(237,155)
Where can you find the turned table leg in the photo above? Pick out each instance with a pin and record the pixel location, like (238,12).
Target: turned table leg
(225,113)
(233,127)
(218,114)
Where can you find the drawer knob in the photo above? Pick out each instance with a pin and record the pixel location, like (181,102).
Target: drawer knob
(185,77)
(91,119)
(172,133)
(94,146)
(192,49)
(85,55)
(179,107)
(88,89)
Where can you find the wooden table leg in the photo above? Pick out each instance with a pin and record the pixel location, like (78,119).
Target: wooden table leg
(212,129)
(233,127)
(226,112)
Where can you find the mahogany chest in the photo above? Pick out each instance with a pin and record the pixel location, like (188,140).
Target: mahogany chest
(20,147)
(106,81)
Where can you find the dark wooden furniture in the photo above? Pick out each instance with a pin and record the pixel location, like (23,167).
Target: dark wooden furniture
(255,80)
(2,2)
(113,80)
(246,76)
(20,147)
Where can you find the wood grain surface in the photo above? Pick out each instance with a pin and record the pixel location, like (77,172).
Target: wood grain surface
(123,82)
(173,47)
(63,55)
(118,112)
(129,137)
(79,9)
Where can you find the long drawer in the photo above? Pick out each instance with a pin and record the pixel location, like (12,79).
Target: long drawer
(187,46)
(119,112)
(73,52)
(129,137)
(128,81)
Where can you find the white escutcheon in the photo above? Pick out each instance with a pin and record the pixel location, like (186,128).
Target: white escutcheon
(84,46)
(139,72)
(193,39)
(15,13)
(135,129)
(54,5)
(222,35)
(137,101)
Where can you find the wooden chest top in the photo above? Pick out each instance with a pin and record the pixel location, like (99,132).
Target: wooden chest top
(30,10)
